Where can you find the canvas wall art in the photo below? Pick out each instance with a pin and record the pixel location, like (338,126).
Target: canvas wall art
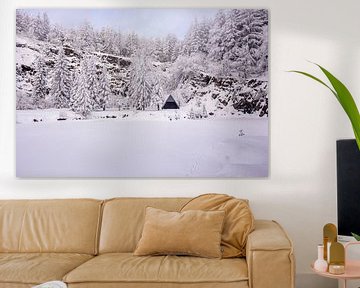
(142,93)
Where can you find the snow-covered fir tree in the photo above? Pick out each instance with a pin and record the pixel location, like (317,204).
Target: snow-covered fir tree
(186,48)
(105,41)
(140,85)
(157,94)
(22,21)
(60,83)
(131,44)
(92,81)
(45,26)
(158,50)
(204,113)
(197,37)
(253,35)
(39,83)
(232,35)
(171,48)
(41,27)
(192,114)
(85,37)
(216,44)
(81,101)
(104,89)
(56,35)
(75,78)
(118,43)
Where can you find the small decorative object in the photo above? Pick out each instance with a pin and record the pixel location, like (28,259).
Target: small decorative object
(329,236)
(320,264)
(337,258)
(344,97)
(336,269)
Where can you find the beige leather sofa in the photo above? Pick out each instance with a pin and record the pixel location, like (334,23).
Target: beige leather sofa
(89,243)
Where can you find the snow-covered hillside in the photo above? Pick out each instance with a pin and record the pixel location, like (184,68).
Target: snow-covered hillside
(85,70)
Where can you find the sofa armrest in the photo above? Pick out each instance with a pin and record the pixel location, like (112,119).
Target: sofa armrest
(269,256)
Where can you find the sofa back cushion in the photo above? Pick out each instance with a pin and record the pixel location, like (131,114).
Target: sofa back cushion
(64,226)
(123,220)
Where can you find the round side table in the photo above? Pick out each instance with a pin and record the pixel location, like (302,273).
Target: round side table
(352,272)
(352,269)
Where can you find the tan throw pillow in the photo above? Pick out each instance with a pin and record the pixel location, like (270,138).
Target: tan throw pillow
(239,220)
(196,233)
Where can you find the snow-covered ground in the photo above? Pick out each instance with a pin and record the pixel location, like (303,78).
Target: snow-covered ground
(52,115)
(102,147)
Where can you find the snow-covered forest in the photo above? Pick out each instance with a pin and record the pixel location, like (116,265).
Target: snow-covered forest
(220,67)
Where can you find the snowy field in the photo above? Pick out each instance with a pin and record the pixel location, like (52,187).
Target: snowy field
(116,148)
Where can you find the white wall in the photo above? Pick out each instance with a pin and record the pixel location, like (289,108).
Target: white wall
(305,120)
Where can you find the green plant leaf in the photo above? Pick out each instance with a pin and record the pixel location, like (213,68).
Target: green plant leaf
(347,102)
(356,236)
(316,79)
(344,97)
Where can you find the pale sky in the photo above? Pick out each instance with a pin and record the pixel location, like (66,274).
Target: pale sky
(144,21)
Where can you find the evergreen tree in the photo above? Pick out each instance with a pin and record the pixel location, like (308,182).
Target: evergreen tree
(196,40)
(232,35)
(22,22)
(253,34)
(192,114)
(131,44)
(56,35)
(92,81)
(36,27)
(190,44)
(85,37)
(45,27)
(157,94)
(81,101)
(204,113)
(158,50)
(202,37)
(39,83)
(217,34)
(41,27)
(171,48)
(75,78)
(60,86)
(140,85)
(118,44)
(262,65)
(105,41)
(104,89)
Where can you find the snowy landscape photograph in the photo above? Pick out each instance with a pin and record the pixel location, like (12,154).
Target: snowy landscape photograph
(142,93)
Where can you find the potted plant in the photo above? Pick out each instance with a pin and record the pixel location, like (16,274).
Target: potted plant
(347,102)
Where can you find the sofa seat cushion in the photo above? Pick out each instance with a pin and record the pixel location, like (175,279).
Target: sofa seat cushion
(35,268)
(125,267)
